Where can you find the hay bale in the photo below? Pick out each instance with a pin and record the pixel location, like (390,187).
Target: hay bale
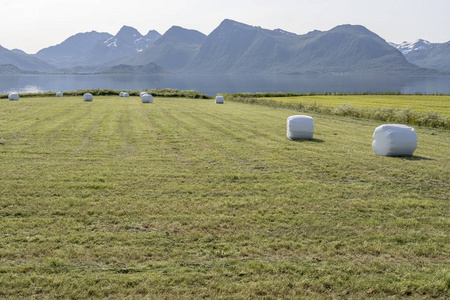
(121,94)
(88,97)
(219,100)
(394,140)
(146,98)
(59,94)
(126,95)
(300,127)
(13,97)
(142,93)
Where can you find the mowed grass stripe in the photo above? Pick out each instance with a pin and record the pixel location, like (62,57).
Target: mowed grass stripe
(27,116)
(186,197)
(248,131)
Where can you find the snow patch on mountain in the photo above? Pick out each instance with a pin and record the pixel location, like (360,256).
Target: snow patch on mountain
(408,47)
(111,44)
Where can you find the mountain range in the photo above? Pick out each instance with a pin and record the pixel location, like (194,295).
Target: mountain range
(93,48)
(24,61)
(238,48)
(233,48)
(427,55)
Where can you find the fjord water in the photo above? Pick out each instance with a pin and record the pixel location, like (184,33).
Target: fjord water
(214,84)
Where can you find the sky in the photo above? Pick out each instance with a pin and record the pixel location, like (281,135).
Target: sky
(31,25)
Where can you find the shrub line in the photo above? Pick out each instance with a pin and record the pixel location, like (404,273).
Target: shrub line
(404,116)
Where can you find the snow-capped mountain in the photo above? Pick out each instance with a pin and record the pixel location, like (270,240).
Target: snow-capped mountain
(132,40)
(94,48)
(128,41)
(173,50)
(426,55)
(238,48)
(408,47)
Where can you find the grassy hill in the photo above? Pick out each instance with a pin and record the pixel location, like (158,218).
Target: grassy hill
(184,198)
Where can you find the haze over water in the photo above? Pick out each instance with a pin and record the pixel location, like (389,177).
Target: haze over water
(214,84)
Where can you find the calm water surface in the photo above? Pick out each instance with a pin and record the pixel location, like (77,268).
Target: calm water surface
(214,84)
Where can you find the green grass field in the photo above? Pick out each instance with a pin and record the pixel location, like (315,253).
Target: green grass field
(184,198)
(417,103)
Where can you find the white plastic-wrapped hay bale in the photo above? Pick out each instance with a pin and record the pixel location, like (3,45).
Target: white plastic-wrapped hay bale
(13,97)
(300,127)
(146,98)
(126,95)
(88,97)
(219,99)
(59,94)
(121,94)
(394,140)
(142,93)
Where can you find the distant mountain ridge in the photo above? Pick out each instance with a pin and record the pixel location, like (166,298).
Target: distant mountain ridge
(172,51)
(11,69)
(24,61)
(70,51)
(407,47)
(128,41)
(428,55)
(93,48)
(233,48)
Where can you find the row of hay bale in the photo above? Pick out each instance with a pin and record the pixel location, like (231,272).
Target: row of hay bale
(145,97)
(15,96)
(388,139)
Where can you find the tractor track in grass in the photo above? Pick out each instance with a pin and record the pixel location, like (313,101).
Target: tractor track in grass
(90,125)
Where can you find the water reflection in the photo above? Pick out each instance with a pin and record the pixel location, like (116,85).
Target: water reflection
(214,84)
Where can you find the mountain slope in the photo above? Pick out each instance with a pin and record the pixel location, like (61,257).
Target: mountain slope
(24,61)
(427,55)
(127,42)
(350,49)
(171,51)
(94,48)
(18,51)
(11,69)
(234,47)
(68,52)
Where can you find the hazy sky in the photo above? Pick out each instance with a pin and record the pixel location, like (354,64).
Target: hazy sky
(31,25)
